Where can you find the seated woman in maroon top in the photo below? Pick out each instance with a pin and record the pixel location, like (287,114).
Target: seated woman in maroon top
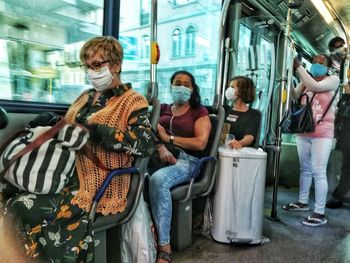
(186,125)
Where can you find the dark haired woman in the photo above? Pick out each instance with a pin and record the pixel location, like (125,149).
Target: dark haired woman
(243,121)
(314,147)
(186,125)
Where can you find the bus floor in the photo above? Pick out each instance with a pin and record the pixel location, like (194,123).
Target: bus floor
(289,240)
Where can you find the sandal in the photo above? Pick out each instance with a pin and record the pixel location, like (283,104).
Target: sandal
(164,255)
(296,207)
(315,220)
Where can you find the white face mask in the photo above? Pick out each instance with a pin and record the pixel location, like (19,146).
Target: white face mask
(230,94)
(101,80)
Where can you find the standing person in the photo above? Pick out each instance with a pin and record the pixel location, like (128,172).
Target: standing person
(184,124)
(55,227)
(244,122)
(342,127)
(338,53)
(342,133)
(314,148)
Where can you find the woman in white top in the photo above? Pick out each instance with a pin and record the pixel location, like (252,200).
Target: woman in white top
(314,147)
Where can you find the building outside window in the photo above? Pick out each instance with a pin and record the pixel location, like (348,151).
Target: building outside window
(182,2)
(145,47)
(145,13)
(176,43)
(39,58)
(190,40)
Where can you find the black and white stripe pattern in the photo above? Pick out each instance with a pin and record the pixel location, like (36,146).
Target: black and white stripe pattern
(48,168)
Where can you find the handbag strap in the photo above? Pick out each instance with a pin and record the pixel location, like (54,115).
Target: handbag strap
(36,143)
(307,97)
(329,106)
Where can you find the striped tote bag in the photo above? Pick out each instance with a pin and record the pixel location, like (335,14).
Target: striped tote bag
(43,160)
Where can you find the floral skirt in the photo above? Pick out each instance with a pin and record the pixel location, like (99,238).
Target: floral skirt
(51,228)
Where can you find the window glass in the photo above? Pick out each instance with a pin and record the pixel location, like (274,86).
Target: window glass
(256,60)
(177,42)
(183,2)
(40,43)
(190,40)
(145,13)
(202,43)
(145,47)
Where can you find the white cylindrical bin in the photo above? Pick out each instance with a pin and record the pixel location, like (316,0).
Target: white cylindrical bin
(238,204)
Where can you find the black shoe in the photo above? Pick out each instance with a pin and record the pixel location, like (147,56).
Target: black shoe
(334,203)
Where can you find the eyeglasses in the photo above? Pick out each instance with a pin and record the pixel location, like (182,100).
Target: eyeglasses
(96,66)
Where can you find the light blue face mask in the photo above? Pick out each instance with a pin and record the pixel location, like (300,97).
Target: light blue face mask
(318,70)
(180,94)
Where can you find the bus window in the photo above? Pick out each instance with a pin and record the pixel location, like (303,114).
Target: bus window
(39,58)
(256,59)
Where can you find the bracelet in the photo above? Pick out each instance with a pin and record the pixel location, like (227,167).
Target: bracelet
(171,139)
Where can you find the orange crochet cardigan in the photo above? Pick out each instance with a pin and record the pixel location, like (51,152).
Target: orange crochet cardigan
(114,114)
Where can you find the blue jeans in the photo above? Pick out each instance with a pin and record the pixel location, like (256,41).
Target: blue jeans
(161,183)
(313,158)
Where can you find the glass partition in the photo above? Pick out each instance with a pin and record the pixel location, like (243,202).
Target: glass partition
(256,59)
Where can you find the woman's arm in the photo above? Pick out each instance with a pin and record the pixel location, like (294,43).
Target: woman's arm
(245,141)
(296,93)
(138,139)
(327,84)
(202,127)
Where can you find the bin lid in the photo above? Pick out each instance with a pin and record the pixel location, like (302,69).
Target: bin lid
(245,152)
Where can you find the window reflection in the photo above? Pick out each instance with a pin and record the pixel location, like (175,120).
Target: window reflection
(39,58)
(255,58)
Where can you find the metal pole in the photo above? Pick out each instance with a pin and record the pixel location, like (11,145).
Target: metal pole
(155,52)
(111,18)
(219,87)
(277,147)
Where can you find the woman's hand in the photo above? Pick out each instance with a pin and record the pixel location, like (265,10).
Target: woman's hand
(162,134)
(296,63)
(165,155)
(234,144)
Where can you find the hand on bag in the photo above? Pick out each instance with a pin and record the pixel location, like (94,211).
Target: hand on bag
(234,144)
(165,155)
